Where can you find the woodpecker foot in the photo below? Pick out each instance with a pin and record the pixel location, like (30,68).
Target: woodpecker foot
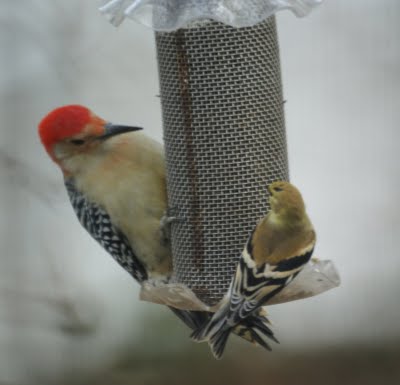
(166,220)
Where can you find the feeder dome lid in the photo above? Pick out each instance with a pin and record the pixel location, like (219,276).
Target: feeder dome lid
(169,15)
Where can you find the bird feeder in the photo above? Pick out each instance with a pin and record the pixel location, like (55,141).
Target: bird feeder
(224,134)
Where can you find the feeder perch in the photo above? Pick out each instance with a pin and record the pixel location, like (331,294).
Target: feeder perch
(224,134)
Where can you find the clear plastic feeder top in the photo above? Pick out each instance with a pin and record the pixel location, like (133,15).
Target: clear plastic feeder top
(169,15)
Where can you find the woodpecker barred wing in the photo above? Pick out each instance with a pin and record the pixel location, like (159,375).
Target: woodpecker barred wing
(99,225)
(316,277)
(169,15)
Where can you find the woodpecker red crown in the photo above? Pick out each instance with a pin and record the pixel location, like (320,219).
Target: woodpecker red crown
(62,123)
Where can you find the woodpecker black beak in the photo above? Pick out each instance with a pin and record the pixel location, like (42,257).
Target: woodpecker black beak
(116,129)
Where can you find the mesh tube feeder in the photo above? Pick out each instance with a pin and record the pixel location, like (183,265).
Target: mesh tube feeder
(224,134)
(225,140)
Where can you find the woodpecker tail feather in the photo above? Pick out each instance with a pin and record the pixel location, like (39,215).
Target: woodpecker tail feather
(192,319)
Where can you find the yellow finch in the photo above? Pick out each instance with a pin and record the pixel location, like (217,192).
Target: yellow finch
(277,249)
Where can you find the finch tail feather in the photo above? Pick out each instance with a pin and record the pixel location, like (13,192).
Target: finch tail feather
(254,328)
(218,341)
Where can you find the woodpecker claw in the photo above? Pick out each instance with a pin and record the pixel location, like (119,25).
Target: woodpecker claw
(165,226)
(167,219)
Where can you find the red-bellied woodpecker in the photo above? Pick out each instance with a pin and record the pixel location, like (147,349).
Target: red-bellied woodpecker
(115,178)
(276,251)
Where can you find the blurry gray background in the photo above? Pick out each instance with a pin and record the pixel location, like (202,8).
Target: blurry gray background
(68,312)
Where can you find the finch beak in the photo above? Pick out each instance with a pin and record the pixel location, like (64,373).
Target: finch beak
(111,130)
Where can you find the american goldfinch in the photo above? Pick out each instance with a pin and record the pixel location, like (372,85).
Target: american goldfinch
(277,249)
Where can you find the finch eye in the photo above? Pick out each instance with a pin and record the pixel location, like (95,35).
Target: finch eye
(77,142)
(277,189)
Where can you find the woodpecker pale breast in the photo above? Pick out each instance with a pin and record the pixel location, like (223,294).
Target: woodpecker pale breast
(98,224)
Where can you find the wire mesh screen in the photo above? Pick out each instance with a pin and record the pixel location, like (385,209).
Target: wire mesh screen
(224,135)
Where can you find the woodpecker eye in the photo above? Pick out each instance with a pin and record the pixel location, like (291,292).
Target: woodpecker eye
(77,142)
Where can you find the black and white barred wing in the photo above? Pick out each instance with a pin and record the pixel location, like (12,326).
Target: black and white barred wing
(254,286)
(99,225)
